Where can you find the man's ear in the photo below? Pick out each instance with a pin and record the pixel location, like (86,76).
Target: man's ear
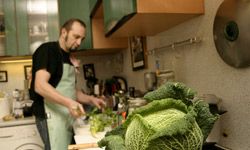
(63,32)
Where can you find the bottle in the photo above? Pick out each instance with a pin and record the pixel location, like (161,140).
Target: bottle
(97,90)
(122,107)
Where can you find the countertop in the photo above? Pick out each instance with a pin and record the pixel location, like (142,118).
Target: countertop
(83,135)
(17,122)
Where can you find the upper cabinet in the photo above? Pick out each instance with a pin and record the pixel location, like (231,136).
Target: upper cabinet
(95,41)
(29,23)
(100,41)
(2,30)
(43,22)
(124,18)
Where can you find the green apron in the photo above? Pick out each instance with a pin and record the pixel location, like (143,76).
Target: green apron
(60,121)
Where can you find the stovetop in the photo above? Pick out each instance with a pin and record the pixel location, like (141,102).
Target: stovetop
(17,122)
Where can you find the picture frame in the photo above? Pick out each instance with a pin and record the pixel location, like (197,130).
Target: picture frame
(27,71)
(88,71)
(3,76)
(138,52)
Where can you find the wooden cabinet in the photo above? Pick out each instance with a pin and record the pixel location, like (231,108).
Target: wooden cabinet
(89,11)
(29,23)
(100,41)
(124,18)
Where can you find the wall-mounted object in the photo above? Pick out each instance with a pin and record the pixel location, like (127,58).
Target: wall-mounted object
(231,32)
(24,24)
(125,18)
(27,72)
(100,41)
(138,50)
(89,71)
(3,76)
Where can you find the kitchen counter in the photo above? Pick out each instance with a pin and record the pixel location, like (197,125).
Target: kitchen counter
(17,122)
(84,136)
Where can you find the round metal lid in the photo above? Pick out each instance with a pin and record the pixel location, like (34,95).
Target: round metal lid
(232,32)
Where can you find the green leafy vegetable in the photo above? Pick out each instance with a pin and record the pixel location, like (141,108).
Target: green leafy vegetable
(174,90)
(171,121)
(98,121)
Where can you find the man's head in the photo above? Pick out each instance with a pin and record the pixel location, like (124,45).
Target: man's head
(72,33)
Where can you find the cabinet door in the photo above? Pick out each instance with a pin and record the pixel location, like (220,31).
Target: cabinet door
(53,20)
(10,27)
(27,23)
(2,30)
(43,22)
(22,34)
(115,11)
(15,13)
(92,4)
(77,9)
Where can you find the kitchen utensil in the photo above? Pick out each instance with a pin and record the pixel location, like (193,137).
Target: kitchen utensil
(150,81)
(231,32)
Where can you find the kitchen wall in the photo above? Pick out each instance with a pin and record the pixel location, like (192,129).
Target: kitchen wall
(105,66)
(16,77)
(201,68)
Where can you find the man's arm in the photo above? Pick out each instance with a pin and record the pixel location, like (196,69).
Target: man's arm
(46,90)
(87,99)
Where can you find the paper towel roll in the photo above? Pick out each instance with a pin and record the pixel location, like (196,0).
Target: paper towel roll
(4,107)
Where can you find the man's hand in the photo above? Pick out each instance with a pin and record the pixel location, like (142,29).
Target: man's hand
(98,102)
(76,110)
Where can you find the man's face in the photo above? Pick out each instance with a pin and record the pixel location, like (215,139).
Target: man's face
(74,37)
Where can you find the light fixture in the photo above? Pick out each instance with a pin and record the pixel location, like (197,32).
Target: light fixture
(15,61)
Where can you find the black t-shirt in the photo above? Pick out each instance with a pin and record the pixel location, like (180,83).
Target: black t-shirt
(51,57)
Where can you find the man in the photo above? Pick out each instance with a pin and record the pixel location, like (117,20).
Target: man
(53,87)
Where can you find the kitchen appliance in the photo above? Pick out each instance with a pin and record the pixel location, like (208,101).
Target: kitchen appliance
(20,134)
(150,81)
(17,103)
(231,32)
(164,76)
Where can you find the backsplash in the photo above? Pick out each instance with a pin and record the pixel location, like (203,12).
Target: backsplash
(105,66)
(16,76)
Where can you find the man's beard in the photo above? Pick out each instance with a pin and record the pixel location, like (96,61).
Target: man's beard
(70,49)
